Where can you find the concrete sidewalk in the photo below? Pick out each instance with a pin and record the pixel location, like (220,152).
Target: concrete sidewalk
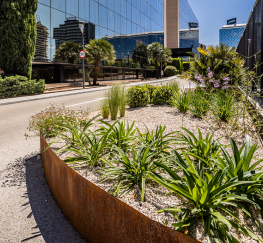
(8,101)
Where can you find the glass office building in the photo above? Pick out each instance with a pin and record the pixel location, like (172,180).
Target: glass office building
(231,34)
(109,18)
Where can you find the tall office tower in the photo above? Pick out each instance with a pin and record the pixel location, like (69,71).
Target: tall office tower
(231,33)
(69,31)
(41,43)
(115,18)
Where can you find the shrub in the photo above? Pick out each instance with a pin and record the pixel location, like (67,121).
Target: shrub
(20,85)
(138,96)
(162,95)
(174,86)
(186,66)
(50,120)
(151,89)
(170,71)
(178,63)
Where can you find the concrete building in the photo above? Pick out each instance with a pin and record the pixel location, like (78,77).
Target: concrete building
(41,43)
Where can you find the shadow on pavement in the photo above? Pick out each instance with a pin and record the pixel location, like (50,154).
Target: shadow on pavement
(50,222)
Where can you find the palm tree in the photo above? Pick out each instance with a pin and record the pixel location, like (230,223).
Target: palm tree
(156,51)
(97,50)
(68,51)
(140,54)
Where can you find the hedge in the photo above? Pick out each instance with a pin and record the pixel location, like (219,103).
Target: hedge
(178,63)
(170,71)
(186,66)
(20,85)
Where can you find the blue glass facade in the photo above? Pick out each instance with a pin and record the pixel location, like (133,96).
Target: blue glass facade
(109,18)
(230,36)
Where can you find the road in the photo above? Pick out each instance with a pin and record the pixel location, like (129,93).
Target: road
(28,212)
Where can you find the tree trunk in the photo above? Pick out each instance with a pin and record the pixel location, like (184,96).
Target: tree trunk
(96,71)
(156,69)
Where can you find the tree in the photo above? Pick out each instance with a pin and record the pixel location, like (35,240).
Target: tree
(156,51)
(68,51)
(97,50)
(17,36)
(140,54)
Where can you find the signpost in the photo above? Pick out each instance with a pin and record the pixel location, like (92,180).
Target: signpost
(82,54)
(232,21)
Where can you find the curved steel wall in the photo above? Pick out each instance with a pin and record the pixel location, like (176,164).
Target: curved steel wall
(96,214)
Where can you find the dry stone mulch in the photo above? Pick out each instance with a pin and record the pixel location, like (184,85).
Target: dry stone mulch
(158,197)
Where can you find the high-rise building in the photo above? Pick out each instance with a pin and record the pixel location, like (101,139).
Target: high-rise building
(69,31)
(231,34)
(114,18)
(41,42)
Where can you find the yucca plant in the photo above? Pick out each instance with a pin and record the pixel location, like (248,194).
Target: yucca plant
(181,101)
(208,199)
(241,161)
(163,141)
(203,149)
(120,133)
(133,170)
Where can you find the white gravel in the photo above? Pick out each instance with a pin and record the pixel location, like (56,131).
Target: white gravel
(158,197)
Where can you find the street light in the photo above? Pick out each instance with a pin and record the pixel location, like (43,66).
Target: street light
(161,63)
(81,26)
(128,52)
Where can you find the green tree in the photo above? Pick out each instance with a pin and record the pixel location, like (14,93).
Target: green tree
(156,51)
(97,50)
(68,51)
(17,36)
(140,54)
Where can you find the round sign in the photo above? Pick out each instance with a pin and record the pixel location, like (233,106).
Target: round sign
(82,54)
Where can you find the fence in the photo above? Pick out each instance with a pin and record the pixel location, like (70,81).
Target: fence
(251,43)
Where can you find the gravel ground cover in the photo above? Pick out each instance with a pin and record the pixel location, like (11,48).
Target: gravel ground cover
(158,197)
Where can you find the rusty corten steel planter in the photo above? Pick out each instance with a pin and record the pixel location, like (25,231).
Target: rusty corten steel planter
(97,215)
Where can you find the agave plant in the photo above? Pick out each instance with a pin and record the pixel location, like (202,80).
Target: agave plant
(161,142)
(120,133)
(208,199)
(133,170)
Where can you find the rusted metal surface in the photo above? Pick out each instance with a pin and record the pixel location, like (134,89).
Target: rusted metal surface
(97,215)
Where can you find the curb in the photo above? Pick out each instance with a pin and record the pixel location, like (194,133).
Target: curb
(9,101)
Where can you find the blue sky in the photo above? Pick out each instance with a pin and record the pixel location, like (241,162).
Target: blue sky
(213,14)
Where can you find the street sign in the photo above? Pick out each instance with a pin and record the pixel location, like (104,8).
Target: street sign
(82,54)
(232,21)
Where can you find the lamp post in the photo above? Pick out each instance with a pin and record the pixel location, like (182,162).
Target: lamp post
(161,64)
(128,52)
(81,26)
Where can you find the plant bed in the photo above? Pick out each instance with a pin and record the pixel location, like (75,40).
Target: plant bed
(156,196)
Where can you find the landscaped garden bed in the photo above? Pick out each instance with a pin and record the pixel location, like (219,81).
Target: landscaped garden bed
(156,196)
(189,159)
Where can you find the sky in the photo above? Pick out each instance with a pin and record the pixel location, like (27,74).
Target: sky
(213,14)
